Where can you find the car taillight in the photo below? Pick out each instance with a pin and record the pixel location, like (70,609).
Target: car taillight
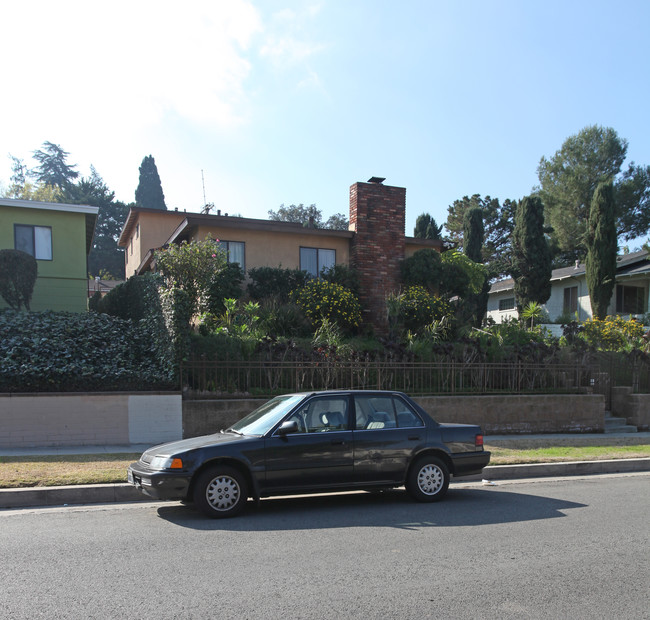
(478,441)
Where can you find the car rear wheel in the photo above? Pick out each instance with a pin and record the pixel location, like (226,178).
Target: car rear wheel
(221,492)
(428,479)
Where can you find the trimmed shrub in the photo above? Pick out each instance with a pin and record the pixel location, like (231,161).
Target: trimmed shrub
(130,300)
(324,300)
(227,284)
(70,352)
(275,282)
(18,271)
(344,275)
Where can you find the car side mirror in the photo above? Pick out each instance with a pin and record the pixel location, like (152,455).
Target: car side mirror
(290,426)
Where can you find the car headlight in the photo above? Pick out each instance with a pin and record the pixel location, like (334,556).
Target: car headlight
(166,462)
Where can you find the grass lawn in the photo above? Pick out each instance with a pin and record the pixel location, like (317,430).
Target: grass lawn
(33,471)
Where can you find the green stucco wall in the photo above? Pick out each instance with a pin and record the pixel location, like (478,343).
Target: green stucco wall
(62,282)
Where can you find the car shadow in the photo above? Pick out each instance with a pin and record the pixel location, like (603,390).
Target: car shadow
(461,507)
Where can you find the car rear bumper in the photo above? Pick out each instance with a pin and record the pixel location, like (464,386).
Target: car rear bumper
(159,484)
(469,463)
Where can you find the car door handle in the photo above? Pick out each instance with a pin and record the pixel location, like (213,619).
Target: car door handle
(414,437)
(338,442)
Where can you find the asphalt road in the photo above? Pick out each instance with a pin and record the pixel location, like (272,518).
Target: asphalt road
(562,548)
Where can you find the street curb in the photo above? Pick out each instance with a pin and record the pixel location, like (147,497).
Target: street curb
(119,493)
(551,470)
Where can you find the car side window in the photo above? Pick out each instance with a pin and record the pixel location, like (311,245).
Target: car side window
(374,412)
(322,415)
(406,417)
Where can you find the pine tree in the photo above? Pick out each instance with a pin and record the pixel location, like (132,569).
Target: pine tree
(53,168)
(531,255)
(150,193)
(426,227)
(601,249)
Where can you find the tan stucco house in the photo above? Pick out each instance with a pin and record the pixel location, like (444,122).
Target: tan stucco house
(375,243)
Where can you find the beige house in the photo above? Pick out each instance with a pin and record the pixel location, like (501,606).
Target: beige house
(375,243)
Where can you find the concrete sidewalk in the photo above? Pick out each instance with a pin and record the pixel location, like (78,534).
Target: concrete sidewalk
(107,493)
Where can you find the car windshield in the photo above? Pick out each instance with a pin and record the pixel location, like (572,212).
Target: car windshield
(267,416)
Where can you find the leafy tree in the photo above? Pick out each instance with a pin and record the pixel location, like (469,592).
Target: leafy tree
(569,179)
(601,249)
(308,216)
(192,268)
(53,168)
(426,227)
(19,175)
(18,271)
(105,256)
(39,192)
(498,224)
(149,193)
(531,255)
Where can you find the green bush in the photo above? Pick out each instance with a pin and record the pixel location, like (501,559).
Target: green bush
(227,284)
(344,275)
(130,300)
(18,271)
(68,352)
(283,320)
(416,308)
(275,283)
(324,300)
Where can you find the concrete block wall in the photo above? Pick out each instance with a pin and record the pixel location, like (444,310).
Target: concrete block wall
(635,408)
(521,413)
(39,420)
(517,414)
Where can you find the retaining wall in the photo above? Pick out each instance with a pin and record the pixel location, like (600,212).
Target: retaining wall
(497,415)
(635,408)
(39,420)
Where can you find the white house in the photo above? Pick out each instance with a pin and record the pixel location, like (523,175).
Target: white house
(569,293)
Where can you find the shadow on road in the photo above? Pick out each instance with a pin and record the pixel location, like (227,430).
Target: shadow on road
(461,507)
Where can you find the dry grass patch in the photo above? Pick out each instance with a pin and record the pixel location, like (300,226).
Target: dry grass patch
(46,471)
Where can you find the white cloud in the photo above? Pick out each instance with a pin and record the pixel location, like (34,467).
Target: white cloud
(124,64)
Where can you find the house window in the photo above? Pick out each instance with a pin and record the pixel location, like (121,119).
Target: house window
(314,260)
(35,240)
(234,252)
(570,300)
(630,299)
(507,304)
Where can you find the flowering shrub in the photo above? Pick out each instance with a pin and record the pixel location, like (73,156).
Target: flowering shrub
(325,300)
(613,333)
(416,308)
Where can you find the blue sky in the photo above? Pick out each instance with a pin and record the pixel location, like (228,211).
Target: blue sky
(292,102)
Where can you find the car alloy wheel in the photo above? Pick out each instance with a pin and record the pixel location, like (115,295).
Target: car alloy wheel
(428,479)
(221,492)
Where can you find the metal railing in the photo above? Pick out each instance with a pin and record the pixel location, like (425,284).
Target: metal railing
(261,378)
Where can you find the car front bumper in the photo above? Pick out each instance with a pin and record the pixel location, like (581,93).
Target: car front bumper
(159,484)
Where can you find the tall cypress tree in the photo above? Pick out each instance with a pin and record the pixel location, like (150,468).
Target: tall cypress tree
(149,193)
(473,236)
(601,249)
(531,255)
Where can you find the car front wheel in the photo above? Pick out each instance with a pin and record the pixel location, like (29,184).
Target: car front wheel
(428,479)
(220,492)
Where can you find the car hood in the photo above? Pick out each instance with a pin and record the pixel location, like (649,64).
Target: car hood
(194,443)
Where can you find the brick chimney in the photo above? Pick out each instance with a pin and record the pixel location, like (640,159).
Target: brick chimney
(377,216)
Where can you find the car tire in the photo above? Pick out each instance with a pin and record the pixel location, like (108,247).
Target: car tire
(428,479)
(220,492)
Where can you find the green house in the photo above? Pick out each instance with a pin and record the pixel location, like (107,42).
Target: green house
(59,236)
